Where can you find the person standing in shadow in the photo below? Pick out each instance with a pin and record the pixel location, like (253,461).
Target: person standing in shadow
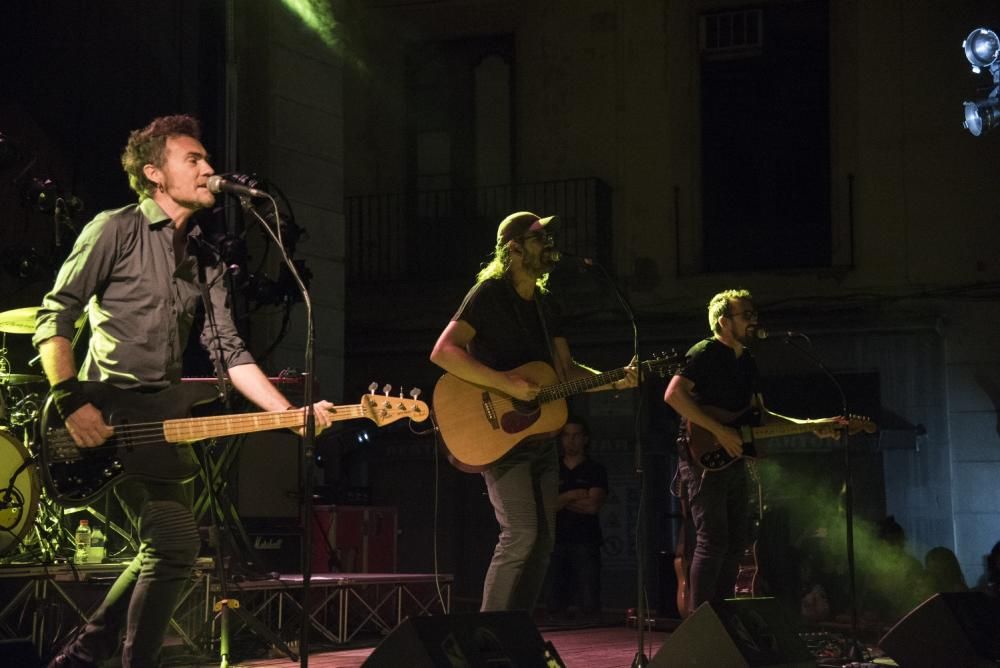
(576,559)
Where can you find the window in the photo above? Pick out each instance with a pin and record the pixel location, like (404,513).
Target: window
(765,139)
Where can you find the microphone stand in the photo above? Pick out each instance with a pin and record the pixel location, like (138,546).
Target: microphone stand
(640,660)
(855,651)
(309,433)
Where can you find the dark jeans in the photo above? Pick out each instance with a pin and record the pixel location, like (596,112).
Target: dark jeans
(142,599)
(575,568)
(720,512)
(523,488)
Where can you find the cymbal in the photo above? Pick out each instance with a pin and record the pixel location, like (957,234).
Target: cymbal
(19,320)
(22,320)
(20,378)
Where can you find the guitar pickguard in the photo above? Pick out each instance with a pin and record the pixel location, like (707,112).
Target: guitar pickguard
(524,415)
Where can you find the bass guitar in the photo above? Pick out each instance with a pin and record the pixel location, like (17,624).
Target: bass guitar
(479,424)
(146,426)
(712,456)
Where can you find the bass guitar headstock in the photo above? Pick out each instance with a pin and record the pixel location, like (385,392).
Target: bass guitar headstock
(385,409)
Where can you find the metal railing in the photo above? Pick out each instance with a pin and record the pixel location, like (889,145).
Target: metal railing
(444,234)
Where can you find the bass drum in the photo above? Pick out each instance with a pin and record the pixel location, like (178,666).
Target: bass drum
(19,492)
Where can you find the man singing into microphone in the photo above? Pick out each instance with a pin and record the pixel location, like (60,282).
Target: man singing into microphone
(138,267)
(719,377)
(506,321)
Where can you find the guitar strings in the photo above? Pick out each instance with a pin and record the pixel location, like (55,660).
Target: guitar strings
(148,433)
(569,387)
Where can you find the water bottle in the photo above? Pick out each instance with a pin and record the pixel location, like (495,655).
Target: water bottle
(82,542)
(96,555)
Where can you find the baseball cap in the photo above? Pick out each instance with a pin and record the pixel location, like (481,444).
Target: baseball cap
(520,223)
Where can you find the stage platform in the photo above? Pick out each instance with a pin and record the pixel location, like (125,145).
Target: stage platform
(341,605)
(599,646)
(47,603)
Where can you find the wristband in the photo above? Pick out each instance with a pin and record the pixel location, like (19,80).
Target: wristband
(68,396)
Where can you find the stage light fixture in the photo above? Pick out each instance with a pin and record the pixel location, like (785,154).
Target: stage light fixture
(982,50)
(981,115)
(982,47)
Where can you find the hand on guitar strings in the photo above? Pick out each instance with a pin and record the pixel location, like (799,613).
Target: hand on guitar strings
(519,387)
(730,440)
(831,431)
(631,378)
(321,410)
(87,426)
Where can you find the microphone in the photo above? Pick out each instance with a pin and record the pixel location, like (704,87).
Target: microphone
(761,333)
(581,262)
(218,184)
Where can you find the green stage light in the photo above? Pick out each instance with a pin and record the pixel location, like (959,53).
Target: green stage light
(317,16)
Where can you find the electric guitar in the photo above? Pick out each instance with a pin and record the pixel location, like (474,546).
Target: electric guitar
(148,426)
(479,424)
(712,456)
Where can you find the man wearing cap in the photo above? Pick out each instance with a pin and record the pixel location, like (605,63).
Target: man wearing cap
(506,320)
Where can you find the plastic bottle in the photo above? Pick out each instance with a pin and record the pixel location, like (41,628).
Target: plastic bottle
(82,542)
(96,555)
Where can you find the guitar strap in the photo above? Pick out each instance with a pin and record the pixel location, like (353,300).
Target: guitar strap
(545,333)
(206,299)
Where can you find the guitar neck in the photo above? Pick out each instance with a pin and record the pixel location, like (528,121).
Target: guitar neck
(578,385)
(186,430)
(789,428)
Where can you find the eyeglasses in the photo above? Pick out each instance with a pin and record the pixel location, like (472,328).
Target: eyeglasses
(747,315)
(546,238)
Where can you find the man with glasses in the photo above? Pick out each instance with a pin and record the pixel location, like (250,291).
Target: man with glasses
(506,320)
(719,377)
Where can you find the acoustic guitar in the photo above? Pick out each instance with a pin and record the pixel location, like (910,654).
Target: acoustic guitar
(479,424)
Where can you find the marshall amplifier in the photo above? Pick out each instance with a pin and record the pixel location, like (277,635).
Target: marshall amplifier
(278,547)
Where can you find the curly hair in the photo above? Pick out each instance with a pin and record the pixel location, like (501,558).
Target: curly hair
(148,146)
(498,266)
(719,305)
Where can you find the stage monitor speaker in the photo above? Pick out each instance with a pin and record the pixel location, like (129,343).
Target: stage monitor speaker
(735,634)
(952,629)
(473,640)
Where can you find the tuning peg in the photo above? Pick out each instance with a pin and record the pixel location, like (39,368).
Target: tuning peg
(415,392)
(372,387)
(387,388)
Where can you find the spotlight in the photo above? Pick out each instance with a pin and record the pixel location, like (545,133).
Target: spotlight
(981,48)
(982,115)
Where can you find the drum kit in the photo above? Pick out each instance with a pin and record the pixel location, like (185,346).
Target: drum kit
(28,523)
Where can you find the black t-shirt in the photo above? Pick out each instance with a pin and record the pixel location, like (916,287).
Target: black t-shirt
(720,378)
(508,332)
(580,528)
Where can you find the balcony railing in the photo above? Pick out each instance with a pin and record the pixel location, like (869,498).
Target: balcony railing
(444,234)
